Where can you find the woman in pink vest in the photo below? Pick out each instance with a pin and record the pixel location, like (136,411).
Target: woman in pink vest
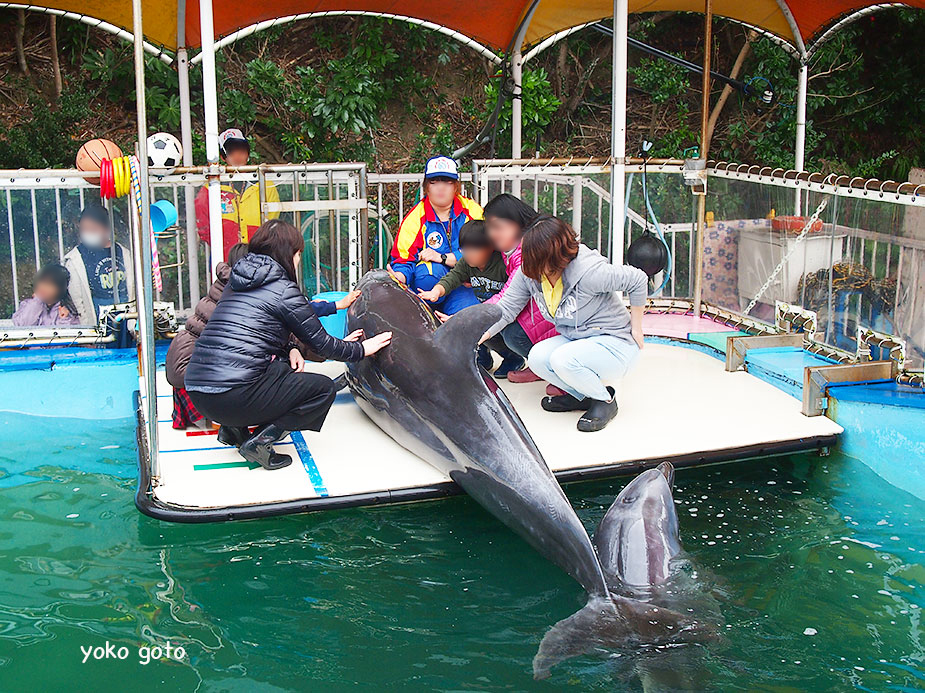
(506,217)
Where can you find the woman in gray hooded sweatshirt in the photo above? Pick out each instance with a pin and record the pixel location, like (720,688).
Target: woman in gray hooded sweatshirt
(598,340)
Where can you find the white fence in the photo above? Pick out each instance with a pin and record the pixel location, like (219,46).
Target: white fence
(861,269)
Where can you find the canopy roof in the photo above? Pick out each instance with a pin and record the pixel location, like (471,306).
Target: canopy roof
(493,22)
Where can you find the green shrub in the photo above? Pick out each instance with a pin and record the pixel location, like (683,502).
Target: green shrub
(539,107)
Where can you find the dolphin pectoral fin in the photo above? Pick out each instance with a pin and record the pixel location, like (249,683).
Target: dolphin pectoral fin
(615,623)
(459,335)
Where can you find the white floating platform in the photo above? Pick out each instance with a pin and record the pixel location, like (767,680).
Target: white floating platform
(677,404)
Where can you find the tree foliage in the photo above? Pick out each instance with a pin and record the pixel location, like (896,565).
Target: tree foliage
(392,94)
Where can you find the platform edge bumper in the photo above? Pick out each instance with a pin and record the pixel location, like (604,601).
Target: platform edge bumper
(149,505)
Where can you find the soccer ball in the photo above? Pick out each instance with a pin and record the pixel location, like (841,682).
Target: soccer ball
(164,152)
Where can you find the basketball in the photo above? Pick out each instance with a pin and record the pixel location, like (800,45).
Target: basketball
(92,153)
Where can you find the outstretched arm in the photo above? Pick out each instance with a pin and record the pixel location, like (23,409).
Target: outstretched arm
(301,319)
(514,300)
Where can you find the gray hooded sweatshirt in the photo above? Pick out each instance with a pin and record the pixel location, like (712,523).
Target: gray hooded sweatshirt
(589,306)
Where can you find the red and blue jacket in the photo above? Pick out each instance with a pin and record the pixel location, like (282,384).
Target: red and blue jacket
(421,228)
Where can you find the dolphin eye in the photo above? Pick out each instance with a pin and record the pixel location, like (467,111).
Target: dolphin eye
(629,499)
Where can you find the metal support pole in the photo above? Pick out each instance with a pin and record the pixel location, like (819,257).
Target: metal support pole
(210,103)
(144,282)
(799,155)
(704,124)
(113,253)
(262,192)
(618,129)
(365,260)
(189,194)
(517,73)
(576,205)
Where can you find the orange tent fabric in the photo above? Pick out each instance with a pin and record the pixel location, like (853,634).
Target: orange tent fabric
(493,23)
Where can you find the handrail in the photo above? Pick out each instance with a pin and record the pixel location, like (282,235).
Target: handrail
(835,183)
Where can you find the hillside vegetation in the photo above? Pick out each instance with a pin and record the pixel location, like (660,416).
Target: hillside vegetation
(390,94)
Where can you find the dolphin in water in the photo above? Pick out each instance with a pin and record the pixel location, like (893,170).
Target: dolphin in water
(638,545)
(427,393)
(637,540)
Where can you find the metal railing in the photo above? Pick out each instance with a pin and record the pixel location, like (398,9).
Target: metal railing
(869,275)
(578,191)
(324,201)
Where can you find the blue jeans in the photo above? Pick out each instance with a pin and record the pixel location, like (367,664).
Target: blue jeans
(427,274)
(580,367)
(516,339)
(511,341)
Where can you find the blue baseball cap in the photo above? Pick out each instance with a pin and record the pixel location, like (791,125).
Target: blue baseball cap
(441,167)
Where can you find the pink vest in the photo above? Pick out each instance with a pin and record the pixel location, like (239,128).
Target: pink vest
(530,318)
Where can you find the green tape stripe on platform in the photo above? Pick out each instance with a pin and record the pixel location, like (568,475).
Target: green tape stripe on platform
(717,340)
(225,465)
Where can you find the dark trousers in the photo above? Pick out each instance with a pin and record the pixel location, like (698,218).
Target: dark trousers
(511,341)
(516,339)
(293,401)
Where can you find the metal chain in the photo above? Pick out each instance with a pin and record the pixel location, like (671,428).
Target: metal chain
(806,228)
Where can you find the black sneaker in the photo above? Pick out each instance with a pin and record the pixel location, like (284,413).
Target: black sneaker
(259,448)
(233,435)
(565,403)
(511,362)
(599,414)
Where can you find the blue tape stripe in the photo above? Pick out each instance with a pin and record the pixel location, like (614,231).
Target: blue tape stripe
(314,475)
(219,447)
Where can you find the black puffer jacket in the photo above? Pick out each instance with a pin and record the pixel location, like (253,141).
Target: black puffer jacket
(251,324)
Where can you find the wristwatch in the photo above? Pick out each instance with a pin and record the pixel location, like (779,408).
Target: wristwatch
(442,258)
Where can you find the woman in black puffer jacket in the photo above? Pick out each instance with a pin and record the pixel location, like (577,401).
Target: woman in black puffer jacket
(240,374)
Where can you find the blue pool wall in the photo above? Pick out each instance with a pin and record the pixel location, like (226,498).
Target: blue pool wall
(884,423)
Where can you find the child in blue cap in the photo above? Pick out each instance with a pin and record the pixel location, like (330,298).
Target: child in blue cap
(426,247)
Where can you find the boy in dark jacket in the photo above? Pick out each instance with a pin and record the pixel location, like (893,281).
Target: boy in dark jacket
(481,267)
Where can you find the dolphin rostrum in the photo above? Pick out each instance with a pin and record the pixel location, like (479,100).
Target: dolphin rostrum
(459,420)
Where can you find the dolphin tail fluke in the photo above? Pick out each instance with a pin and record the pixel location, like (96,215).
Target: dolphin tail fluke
(606,624)
(574,636)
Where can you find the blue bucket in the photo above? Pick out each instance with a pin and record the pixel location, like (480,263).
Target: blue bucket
(336,324)
(163,215)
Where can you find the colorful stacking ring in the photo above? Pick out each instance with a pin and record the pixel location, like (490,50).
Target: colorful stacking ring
(105,178)
(116,176)
(126,176)
(123,177)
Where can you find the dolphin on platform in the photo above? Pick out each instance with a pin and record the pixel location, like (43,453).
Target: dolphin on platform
(426,392)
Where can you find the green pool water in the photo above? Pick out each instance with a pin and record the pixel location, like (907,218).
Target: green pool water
(819,563)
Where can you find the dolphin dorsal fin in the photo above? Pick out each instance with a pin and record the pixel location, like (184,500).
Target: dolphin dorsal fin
(459,335)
